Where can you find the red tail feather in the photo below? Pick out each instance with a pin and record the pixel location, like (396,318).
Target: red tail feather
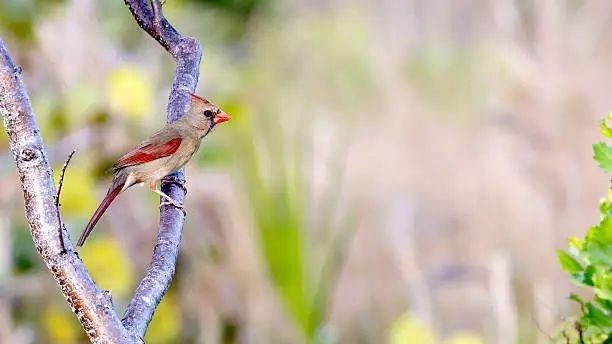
(106,202)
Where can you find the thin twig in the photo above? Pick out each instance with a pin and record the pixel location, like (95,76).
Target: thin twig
(157,16)
(57,201)
(566,336)
(579,330)
(539,328)
(535,320)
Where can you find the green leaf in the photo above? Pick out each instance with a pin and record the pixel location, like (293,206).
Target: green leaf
(581,279)
(605,207)
(598,253)
(589,272)
(603,155)
(573,251)
(604,231)
(575,242)
(576,298)
(603,293)
(568,263)
(605,130)
(598,317)
(604,303)
(585,278)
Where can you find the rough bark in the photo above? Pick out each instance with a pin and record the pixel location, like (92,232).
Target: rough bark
(92,306)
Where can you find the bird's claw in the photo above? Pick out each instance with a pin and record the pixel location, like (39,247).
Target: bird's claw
(174,180)
(174,204)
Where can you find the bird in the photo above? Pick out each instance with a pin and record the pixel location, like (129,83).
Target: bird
(160,154)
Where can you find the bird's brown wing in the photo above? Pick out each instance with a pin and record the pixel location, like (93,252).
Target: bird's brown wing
(149,150)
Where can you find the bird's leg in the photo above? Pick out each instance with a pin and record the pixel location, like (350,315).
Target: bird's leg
(169,200)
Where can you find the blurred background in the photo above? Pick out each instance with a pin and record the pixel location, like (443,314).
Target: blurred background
(395,171)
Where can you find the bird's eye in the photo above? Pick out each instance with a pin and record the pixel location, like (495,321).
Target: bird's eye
(209,113)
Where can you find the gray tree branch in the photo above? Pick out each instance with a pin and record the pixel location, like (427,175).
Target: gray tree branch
(187,53)
(92,306)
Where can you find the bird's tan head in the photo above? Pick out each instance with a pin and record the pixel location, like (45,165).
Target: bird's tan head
(207,112)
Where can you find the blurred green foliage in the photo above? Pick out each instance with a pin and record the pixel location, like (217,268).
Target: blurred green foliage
(275,194)
(268,151)
(77,195)
(233,16)
(166,324)
(25,257)
(109,266)
(130,92)
(60,326)
(18,17)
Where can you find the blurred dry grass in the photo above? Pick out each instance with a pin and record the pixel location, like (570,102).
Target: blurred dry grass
(436,153)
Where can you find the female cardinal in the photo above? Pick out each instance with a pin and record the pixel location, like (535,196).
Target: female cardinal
(160,154)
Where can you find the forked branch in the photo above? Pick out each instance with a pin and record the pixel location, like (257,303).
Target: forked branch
(187,53)
(93,306)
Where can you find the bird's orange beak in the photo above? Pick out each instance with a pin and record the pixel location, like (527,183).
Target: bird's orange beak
(221,117)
